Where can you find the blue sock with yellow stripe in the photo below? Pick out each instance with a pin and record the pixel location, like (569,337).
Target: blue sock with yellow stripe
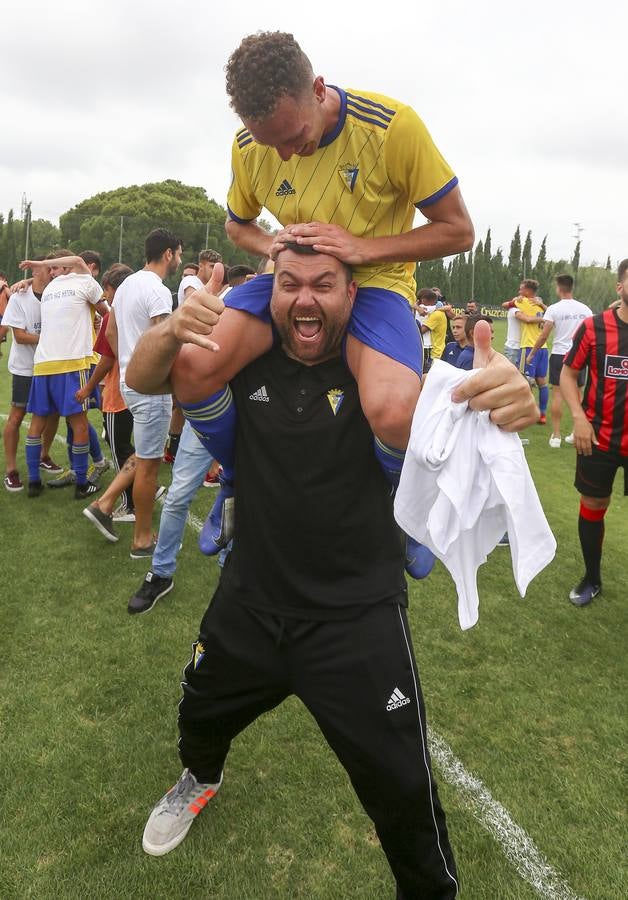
(80,461)
(95,450)
(214,422)
(390,460)
(543,398)
(33,457)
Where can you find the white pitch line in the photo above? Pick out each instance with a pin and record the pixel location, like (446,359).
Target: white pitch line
(517,845)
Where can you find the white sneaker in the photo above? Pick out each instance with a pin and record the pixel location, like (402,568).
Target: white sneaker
(569,438)
(123,515)
(555,441)
(172,818)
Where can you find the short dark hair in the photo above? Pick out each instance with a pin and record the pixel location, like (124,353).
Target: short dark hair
(307,250)
(58,254)
(565,282)
(472,321)
(622,268)
(115,275)
(265,67)
(158,241)
(190,266)
(91,257)
(209,256)
(236,272)
(530,283)
(427,294)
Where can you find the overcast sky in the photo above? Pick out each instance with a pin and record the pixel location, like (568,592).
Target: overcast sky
(527,101)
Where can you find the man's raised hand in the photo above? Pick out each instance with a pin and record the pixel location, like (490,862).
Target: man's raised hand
(194,320)
(499,387)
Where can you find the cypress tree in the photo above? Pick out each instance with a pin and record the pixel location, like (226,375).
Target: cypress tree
(526,256)
(514,257)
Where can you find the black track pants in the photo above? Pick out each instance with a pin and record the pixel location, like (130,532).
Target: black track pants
(359,680)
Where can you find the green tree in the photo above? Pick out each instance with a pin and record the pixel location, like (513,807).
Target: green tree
(44,237)
(596,287)
(575,262)
(526,256)
(123,217)
(514,257)
(608,263)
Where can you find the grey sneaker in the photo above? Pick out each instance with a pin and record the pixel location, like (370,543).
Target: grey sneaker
(143,552)
(101,521)
(172,818)
(101,466)
(67,477)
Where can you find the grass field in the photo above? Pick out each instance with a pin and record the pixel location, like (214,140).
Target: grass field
(531,701)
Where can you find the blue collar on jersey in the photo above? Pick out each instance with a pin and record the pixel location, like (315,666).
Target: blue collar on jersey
(333,134)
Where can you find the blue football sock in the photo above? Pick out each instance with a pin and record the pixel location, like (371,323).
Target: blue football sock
(214,423)
(69,440)
(543,398)
(80,460)
(390,460)
(95,450)
(33,457)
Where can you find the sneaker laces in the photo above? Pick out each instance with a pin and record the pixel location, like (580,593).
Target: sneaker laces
(187,788)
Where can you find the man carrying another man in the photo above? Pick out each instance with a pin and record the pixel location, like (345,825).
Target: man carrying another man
(322,616)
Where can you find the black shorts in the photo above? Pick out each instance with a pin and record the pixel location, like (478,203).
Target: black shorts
(595,474)
(20,389)
(556,367)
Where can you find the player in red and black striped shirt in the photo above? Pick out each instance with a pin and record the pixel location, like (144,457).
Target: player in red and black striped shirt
(600,425)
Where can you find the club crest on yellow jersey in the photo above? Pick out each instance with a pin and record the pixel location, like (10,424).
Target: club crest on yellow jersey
(349,174)
(335,397)
(199,653)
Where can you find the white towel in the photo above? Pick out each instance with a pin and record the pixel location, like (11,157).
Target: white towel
(464,483)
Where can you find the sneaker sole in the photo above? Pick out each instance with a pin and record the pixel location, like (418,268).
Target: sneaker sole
(142,554)
(140,612)
(92,518)
(14,490)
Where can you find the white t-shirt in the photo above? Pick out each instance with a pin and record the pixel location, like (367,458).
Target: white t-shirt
(140,297)
(192,281)
(23,311)
(67,325)
(427,337)
(566,316)
(513,334)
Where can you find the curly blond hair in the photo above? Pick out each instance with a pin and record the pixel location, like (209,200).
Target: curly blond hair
(265,67)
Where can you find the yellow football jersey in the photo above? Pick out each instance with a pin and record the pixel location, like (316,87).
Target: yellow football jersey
(367,176)
(530,330)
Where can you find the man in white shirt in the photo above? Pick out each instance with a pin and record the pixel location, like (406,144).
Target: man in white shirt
(23,316)
(513,337)
(62,360)
(564,317)
(142,300)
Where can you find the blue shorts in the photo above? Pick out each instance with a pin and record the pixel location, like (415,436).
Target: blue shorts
(55,394)
(380,319)
(539,365)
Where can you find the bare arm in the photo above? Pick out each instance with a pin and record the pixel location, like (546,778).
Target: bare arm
(21,336)
(112,332)
(102,308)
(583,432)
(449,230)
(545,332)
(75,263)
(249,236)
(149,368)
(525,318)
(105,364)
